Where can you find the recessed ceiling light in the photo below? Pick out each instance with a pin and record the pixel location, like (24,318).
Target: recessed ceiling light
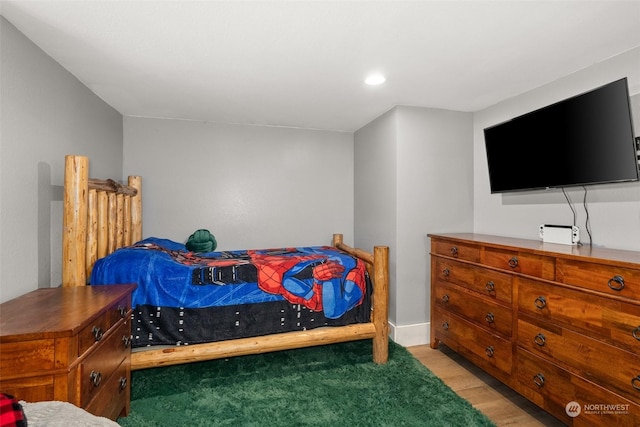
(375,79)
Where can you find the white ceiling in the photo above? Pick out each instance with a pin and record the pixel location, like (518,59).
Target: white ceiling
(302,63)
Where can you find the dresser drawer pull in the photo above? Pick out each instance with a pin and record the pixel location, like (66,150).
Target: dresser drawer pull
(513,262)
(123,383)
(635,382)
(636,333)
(540,302)
(445,272)
(445,326)
(490,286)
(454,251)
(539,340)
(620,283)
(489,351)
(126,340)
(445,298)
(489,317)
(97,333)
(96,378)
(122,311)
(538,379)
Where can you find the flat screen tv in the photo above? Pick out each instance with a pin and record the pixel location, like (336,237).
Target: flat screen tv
(582,140)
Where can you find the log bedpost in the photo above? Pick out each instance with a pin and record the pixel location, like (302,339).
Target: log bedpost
(74,220)
(380,303)
(136,209)
(378,267)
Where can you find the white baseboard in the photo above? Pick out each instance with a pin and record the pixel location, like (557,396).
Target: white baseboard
(410,335)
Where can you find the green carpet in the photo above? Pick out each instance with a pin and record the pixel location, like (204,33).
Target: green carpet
(332,385)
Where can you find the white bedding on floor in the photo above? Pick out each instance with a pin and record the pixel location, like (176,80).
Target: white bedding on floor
(61,414)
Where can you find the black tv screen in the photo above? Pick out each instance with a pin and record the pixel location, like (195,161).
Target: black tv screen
(585,139)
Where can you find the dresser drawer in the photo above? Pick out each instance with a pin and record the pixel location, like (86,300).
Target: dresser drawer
(554,388)
(457,333)
(456,250)
(601,363)
(614,321)
(494,284)
(518,262)
(455,272)
(611,280)
(100,364)
(112,399)
(93,332)
(488,282)
(486,313)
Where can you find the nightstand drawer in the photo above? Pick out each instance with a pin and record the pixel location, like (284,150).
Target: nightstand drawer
(113,394)
(97,368)
(94,332)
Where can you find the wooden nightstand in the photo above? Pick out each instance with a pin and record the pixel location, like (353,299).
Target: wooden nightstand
(71,344)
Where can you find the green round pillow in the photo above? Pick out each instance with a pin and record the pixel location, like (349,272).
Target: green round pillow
(201,241)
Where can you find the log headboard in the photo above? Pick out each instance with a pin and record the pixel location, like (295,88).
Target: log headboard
(99,217)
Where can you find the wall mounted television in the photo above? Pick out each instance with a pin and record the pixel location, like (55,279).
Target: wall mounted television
(582,140)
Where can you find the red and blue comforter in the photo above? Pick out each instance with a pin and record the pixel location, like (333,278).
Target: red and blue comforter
(321,278)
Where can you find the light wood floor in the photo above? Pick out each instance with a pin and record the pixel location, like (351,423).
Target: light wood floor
(498,402)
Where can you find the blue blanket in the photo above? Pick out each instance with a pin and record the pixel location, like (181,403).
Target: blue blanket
(168,275)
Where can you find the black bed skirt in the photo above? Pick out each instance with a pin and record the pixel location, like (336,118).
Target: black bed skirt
(153,325)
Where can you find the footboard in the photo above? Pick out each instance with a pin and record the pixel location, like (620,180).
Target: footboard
(378,267)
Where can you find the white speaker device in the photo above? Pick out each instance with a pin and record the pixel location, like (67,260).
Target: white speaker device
(562,234)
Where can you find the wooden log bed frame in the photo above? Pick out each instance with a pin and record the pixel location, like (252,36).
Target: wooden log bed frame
(101,216)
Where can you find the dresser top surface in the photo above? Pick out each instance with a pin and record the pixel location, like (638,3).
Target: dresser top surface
(56,312)
(583,252)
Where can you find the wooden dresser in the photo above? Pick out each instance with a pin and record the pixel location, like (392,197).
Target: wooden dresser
(71,344)
(559,324)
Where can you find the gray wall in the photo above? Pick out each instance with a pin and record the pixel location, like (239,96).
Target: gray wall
(435,194)
(614,209)
(375,175)
(251,186)
(414,175)
(46,114)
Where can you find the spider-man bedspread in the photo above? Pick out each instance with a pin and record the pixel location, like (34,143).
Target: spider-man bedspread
(313,286)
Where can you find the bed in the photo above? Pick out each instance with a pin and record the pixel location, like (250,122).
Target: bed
(102,225)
